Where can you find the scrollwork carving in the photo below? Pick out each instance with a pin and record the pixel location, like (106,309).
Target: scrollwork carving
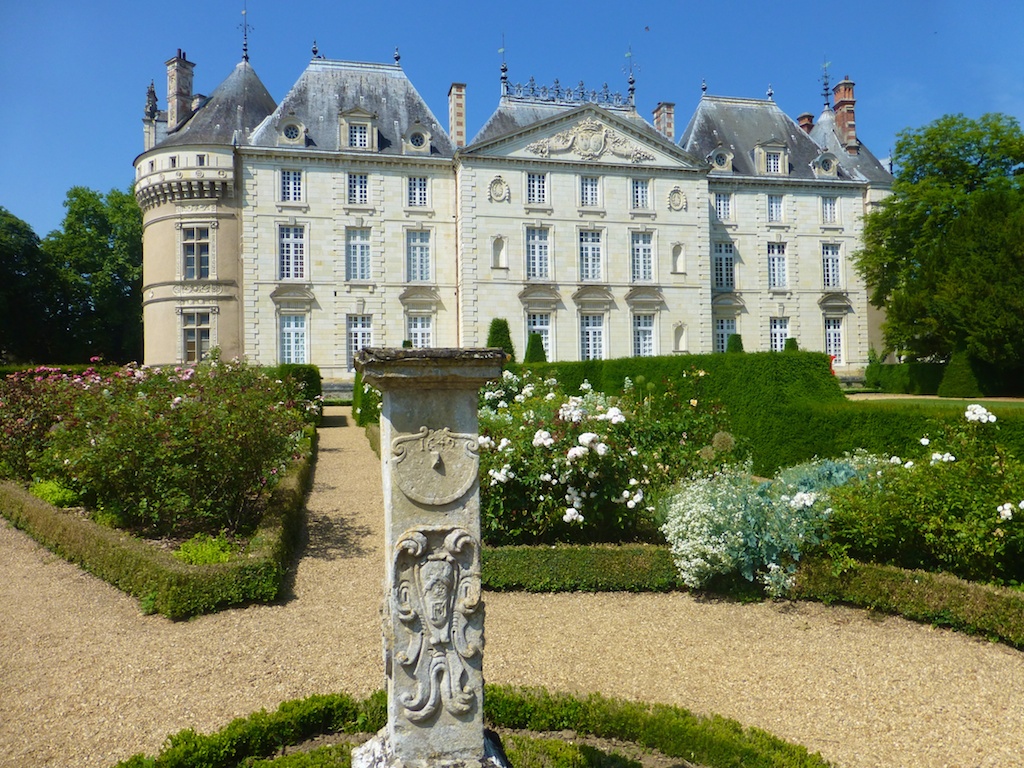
(589,140)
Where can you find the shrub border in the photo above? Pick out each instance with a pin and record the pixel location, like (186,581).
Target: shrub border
(712,741)
(162,583)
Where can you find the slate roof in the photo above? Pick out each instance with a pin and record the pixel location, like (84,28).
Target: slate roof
(328,88)
(863,166)
(229,114)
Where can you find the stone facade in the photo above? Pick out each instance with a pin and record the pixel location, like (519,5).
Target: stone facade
(346,216)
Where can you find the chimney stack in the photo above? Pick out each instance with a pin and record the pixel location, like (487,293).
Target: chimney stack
(806,122)
(665,119)
(179,90)
(846,124)
(457,114)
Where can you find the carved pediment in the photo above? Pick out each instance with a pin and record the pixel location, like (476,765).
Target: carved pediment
(292,293)
(540,297)
(835,303)
(590,139)
(420,297)
(594,297)
(727,303)
(645,297)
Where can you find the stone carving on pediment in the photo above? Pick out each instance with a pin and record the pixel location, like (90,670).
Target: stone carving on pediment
(439,633)
(435,466)
(590,139)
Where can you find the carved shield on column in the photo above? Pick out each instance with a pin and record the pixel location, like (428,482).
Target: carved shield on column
(435,466)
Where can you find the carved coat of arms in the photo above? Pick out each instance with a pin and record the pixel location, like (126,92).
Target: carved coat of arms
(589,140)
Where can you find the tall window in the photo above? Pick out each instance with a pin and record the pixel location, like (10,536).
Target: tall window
(195,328)
(723,267)
(829,210)
(590,255)
(291,253)
(291,186)
(357,254)
(724,328)
(723,206)
(417,195)
(774,208)
(641,193)
(359,136)
(641,257)
(591,336)
(589,191)
(421,331)
(359,334)
(776,265)
(195,244)
(536,188)
(778,332)
(773,162)
(537,261)
(417,255)
(830,265)
(834,338)
(358,189)
(293,338)
(643,335)
(540,323)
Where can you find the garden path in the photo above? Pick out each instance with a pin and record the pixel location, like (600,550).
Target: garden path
(85,680)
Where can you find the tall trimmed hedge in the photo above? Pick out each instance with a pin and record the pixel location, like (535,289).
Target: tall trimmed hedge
(905,378)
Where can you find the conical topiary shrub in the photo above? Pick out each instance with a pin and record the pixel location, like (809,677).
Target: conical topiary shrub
(734,343)
(535,350)
(499,336)
(790,345)
(960,379)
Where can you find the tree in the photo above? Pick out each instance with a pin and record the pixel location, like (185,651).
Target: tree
(535,350)
(98,257)
(930,254)
(500,337)
(27,279)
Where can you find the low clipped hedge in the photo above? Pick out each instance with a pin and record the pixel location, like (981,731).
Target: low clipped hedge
(713,742)
(577,568)
(162,583)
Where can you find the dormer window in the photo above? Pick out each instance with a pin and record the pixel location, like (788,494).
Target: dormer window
(359,130)
(773,162)
(417,139)
(359,136)
(292,132)
(772,157)
(825,165)
(720,159)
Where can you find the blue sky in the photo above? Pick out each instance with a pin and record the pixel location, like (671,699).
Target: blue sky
(73,75)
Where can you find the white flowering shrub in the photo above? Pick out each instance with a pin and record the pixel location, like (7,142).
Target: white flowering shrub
(730,522)
(957,507)
(584,467)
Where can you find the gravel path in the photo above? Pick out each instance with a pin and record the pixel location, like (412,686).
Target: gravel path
(85,680)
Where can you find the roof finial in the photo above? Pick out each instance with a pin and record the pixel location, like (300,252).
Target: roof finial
(632,79)
(245,30)
(824,80)
(398,56)
(316,51)
(703,87)
(504,67)
(771,92)
(151,107)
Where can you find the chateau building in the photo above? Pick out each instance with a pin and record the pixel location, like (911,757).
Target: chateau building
(347,216)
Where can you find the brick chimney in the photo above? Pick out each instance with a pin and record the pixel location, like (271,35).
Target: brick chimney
(665,119)
(806,122)
(179,90)
(846,124)
(457,114)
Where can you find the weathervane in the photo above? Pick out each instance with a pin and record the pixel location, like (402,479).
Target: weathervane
(824,80)
(245,30)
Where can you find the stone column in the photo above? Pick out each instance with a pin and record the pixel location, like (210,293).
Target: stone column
(433,614)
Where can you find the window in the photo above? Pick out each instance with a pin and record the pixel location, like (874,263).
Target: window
(724,328)
(641,257)
(291,253)
(201,161)
(195,245)
(195,335)
(417,195)
(293,339)
(643,335)
(421,331)
(540,323)
(537,262)
(778,332)
(834,338)
(591,336)
(829,210)
(357,254)
(536,188)
(417,256)
(723,206)
(724,267)
(774,208)
(359,136)
(641,197)
(590,255)
(291,186)
(173,162)
(359,334)
(830,266)
(773,162)
(358,189)
(589,191)
(776,265)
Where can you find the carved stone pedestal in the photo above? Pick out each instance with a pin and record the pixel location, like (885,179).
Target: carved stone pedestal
(433,615)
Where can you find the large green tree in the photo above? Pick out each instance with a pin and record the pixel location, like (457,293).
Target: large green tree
(942,254)
(98,256)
